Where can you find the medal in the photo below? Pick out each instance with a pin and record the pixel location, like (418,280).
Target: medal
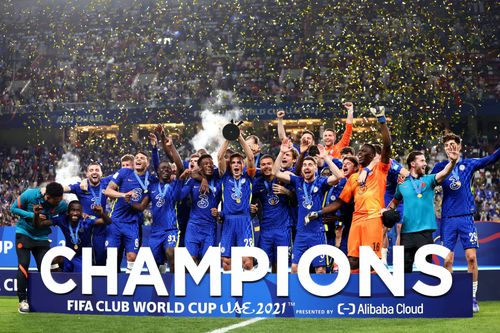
(417,186)
(237,190)
(144,185)
(97,199)
(308,194)
(74,234)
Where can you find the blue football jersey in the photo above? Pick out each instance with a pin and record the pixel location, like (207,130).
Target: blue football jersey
(79,235)
(163,198)
(310,199)
(126,179)
(201,204)
(275,208)
(458,198)
(236,194)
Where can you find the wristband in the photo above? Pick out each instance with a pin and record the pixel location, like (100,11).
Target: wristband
(381,119)
(367,170)
(54,266)
(320,213)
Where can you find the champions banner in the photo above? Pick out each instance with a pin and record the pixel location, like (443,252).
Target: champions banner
(259,299)
(489,245)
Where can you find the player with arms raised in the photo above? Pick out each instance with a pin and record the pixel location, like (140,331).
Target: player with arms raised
(457,211)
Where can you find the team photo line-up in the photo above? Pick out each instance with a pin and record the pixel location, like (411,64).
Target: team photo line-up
(310,194)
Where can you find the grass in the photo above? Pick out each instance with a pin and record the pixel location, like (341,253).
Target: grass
(488,320)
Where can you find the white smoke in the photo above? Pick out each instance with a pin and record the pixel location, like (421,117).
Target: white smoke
(212,121)
(68,172)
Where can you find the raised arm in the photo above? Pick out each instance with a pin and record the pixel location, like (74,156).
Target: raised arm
(385,156)
(281,127)
(172,153)
(220,158)
(487,160)
(453,155)
(248,152)
(346,136)
(336,173)
(286,146)
(155,154)
(304,149)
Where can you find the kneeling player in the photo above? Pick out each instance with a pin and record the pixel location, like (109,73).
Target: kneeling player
(77,230)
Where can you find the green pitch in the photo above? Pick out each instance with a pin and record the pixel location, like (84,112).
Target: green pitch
(488,320)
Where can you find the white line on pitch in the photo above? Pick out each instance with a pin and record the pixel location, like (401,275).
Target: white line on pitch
(232,327)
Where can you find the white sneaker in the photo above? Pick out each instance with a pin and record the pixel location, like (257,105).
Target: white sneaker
(24,307)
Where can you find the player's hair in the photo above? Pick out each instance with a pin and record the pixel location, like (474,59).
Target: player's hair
(347,150)
(353,160)
(255,139)
(202,151)
(229,151)
(378,148)
(313,150)
(93,163)
(326,171)
(74,202)
(202,157)
(168,162)
(329,129)
(308,132)
(194,155)
(372,147)
(143,153)
(54,190)
(310,158)
(234,155)
(412,156)
(266,156)
(451,136)
(127,157)
(295,153)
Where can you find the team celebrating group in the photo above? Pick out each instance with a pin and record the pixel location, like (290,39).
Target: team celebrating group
(310,194)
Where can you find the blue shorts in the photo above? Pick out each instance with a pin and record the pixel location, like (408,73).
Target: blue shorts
(160,241)
(199,238)
(270,239)
(99,248)
(74,265)
(236,231)
(303,242)
(126,234)
(459,226)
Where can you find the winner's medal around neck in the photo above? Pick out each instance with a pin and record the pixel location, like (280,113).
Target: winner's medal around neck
(417,186)
(144,185)
(308,194)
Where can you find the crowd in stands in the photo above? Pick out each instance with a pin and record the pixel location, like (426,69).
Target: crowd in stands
(31,167)
(149,52)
